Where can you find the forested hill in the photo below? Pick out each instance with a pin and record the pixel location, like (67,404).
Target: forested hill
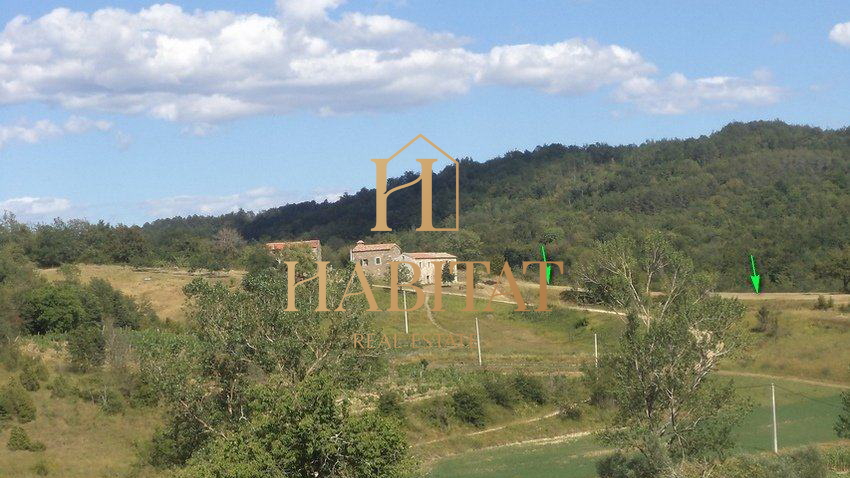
(778,191)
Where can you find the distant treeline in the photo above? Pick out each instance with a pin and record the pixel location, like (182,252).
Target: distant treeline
(777,191)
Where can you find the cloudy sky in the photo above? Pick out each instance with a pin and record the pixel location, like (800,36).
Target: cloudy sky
(127,111)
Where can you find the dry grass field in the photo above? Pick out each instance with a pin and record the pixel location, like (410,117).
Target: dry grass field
(163,288)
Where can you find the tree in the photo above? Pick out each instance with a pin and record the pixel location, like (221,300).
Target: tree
(52,308)
(670,408)
(842,427)
(228,243)
(87,347)
(242,339)
(447,275)
(305,431)
(836,266)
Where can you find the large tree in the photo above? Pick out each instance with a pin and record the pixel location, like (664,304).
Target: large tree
(242,343)
(670,407)
(836,265)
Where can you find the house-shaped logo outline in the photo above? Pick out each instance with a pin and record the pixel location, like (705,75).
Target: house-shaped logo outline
(427,202)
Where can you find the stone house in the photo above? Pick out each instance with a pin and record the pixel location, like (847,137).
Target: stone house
(375,258)
(425,261)
(313,244)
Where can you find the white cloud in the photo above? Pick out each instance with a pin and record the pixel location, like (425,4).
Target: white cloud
(256,199)
(203,67)
(252,200)
(677,94)
(841,34)
(33,206)
(35,132)
(569,67)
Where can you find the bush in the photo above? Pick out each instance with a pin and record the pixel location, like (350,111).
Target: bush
(768,321)
(619,465)
(581,323)
(29,380)
(500,390)
(530,388)
(389,404)
(823,303)
(20,441)
(570,411)
(87,347)
(16,403)
(40,468)
(59,387)
(805,463)
(468,406)
(10,356)
(838,459)
(438,413)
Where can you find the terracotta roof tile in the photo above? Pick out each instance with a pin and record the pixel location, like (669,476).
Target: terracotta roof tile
(361,247)
(430,255)
(277,246)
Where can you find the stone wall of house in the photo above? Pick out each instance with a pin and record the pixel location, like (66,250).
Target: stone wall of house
(376,263)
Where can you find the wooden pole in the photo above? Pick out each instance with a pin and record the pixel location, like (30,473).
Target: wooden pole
(404,295)
(478,340)
(775,431)
(595,351)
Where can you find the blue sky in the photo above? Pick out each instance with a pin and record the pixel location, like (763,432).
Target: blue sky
(127,111)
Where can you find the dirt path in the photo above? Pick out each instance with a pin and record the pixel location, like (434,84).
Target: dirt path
(431,317)
(733,373)
(493,429)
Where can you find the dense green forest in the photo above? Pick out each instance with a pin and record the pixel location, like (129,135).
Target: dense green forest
(780,192)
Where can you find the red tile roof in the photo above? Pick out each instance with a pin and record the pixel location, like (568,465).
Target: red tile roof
(362,247)
(277,246)
(430,255)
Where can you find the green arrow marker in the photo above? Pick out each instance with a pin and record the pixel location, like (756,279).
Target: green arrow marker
(755,278)
(548,266)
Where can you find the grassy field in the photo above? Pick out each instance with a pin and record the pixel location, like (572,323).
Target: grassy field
(163,288)
(805,413)
(82,440)
(529,441)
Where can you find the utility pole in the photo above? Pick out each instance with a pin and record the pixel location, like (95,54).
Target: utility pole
(478,340)
(595,350)
(404,296)
(775,432)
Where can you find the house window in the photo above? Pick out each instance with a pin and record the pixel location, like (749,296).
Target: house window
(364,262)
(377,260)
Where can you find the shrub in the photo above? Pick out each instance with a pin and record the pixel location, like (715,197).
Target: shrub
(389,404)
(29,380)
(768,321)
(500,390)
(52,308)
(40,468)
(468,406)
(16,403)
(438,413)
(838,458)
(87,347)
(806,463)
(823,303)
(20,441)
(570,411)
(10,356)
(142,393)
(581,323)
(111,401)
(59,387)
(619,465)
(530,388)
